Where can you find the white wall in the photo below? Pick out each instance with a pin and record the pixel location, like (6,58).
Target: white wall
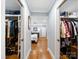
(12,5)
(25,32)
(53,33)
(40,22)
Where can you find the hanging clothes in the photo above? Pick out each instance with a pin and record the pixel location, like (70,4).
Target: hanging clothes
(75,30)
(12,33)
(71,29)
(65,32)
(7,28)
(62,30)
(69,35)
(68,29)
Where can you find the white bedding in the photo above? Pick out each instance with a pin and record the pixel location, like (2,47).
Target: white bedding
(34,37)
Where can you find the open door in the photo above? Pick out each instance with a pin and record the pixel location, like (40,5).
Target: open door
(57,34)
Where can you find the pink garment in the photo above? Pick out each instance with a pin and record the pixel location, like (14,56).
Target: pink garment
(67,32)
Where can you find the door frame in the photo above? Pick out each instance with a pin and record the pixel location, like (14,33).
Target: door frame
(57,54)
(2,29)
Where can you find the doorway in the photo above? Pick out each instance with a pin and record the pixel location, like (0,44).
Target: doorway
(69,30)
(12,30)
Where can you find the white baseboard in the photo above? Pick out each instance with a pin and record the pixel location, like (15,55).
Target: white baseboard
(53,57)
(28,54)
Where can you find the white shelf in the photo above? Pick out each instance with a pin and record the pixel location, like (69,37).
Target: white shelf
(73,16)
(68,16)
(11,15)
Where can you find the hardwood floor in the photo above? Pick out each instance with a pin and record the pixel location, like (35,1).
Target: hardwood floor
(12,57)
(40,50)
(64,57)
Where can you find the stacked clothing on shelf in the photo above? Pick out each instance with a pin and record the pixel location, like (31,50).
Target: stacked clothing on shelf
(12,12)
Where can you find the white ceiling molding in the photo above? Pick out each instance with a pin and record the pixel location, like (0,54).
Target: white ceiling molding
(39,14)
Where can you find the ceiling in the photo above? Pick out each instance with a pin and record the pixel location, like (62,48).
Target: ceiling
(40,6)
(35,6)
(12,5)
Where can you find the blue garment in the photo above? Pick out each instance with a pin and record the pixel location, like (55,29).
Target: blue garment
(12,26)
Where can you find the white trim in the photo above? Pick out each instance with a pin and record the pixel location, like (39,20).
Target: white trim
(28,53)
(68,16)
(11,15)
(2,31)
(53,56)
(38,14)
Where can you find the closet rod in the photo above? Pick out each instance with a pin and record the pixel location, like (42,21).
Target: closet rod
(70,19)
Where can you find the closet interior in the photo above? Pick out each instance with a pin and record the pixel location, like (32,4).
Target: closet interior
(69,30)
(69,37)
(12,38)
(12,31)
